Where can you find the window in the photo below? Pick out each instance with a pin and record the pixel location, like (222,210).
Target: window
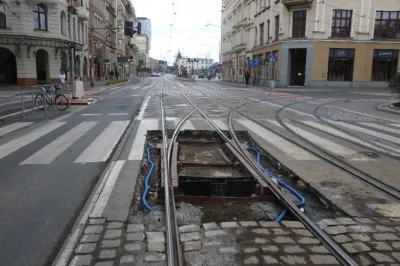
(268,25)
(79,31)
(341,23)
(255,36)
(387,25)
(277,28)
(63,21)
(384,64)
(341,64)
(74,29)
(3,21)
(299,24)
(39,17)
(261,33)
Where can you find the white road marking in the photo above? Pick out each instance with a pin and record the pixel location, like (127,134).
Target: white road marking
(51,151)
(17,113)
(366,131)
(329,145)
(274,122)
(394,125)
(344,135)
(283,145)
(387,147)
(220,124)
(108,188)
(10,128)
(188,125)
(116,114)
(72,240)
(144,106)
(100,149)
(20,142)
(364,114)
(91,114)
(286,109)
(381,127)
(136,152)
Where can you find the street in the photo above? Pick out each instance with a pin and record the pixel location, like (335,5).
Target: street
(335,144)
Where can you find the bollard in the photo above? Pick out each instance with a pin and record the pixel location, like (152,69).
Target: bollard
(23,104)
(33,102)
(53,98)
(45,102)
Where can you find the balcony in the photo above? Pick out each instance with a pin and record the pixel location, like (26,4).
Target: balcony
(83,13)
(297,3)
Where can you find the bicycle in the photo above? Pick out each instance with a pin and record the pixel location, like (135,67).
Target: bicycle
(60,100)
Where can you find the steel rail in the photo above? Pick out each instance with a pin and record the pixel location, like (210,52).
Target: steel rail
(342,256)
(169,213)
(368,179)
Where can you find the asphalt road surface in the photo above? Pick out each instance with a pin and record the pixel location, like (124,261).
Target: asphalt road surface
(49,168)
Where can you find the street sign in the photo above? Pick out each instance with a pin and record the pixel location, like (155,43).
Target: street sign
(272,58)
(253,63)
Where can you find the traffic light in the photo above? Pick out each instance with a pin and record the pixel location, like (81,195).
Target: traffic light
(139,28)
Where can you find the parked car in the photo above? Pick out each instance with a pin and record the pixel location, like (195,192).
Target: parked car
(201,76)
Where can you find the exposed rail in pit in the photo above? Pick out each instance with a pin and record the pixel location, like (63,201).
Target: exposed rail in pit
(341,256)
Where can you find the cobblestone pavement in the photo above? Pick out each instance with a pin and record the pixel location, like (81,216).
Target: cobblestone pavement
(370,241)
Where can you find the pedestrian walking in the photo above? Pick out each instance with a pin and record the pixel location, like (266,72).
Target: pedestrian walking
(61,78)
(247,77)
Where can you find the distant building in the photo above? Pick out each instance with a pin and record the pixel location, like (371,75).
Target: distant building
(194,65)
(145,28)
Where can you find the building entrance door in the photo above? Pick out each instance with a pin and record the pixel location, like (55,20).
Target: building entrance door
(298,59)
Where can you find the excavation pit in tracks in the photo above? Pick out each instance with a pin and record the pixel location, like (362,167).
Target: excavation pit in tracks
(205,168)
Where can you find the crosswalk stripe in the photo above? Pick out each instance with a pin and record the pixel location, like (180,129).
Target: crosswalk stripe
(344,135)
(136,152)
(188,125)
(116,114)
(394,125)
(382,127)
(22,141)
(13,127)
(366,131)
(274,122)
(91,114)
(387,147)
(50,152)
(285,146)
(100,149)
(219,123)
(329,145)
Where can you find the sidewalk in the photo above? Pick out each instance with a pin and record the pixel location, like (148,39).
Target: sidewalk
(371,91)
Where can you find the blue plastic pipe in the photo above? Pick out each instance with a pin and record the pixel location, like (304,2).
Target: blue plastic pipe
(146,181)
(281,183)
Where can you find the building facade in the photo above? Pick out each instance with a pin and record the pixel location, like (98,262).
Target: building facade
(125,44)
(194,66)
(144,25)
(312,43)
(36,37)
(142,54)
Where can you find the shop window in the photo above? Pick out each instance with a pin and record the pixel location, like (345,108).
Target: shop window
(341,64)
(384,64)
(39,17)
(387,25)
(3,23)
(341,23)
(299,24)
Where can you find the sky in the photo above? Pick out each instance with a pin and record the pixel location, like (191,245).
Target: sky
(189,32)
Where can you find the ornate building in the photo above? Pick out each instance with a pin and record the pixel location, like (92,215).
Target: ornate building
(312,43)
(36,37)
